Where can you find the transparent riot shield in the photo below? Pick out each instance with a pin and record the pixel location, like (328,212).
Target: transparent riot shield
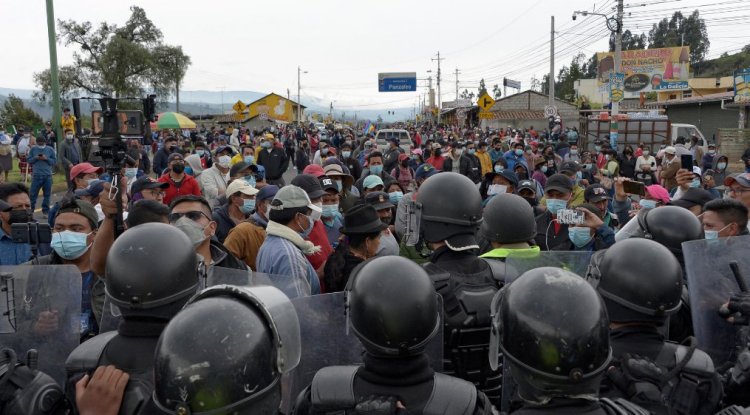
(710,283)
(290,286)
(573,261)
(327,342)
(40,309)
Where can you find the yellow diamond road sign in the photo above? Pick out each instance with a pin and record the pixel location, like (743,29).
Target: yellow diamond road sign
(239,106)
(485,102)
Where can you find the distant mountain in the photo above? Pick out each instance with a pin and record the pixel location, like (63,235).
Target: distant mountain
(210,102)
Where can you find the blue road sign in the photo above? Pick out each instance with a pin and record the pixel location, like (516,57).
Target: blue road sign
(397,82)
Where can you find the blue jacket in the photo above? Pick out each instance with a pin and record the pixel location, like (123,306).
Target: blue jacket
(278,256)
(496,155)
(42,168)
(511,158)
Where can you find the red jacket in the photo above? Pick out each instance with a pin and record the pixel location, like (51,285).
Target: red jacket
(319,237)
(188,186)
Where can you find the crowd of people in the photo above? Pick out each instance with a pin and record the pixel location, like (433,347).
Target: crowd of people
(417,236)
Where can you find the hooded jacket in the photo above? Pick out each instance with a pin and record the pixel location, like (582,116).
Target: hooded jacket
(720,174)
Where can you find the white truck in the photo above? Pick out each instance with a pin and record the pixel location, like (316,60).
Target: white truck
(652,131)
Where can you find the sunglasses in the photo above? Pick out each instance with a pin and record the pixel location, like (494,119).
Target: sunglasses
(193,215)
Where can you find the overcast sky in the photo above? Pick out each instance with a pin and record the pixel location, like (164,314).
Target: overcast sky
(343,44)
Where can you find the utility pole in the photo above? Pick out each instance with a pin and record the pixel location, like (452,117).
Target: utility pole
(299,100)
(56,116)
(457,72)
(613,127)
(439,97)
(551,79)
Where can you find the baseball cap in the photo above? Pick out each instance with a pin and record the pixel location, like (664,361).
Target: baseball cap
(402,157)
(314,170)
(145,182)
(425,170)
(84,168)
(291,196)
(378,200)
(658,192)
(508,175)
(267,192)
(241,166)
(528,185)
(240,185)
(697,171)
(742,178)
(327,184)
(309,184)
(693,197)
(417,151)
(221,149)
(569,167)
(559,182)
(372,181)
(92,190)
(82,208)
(175,156)
(670,150)
(595,193)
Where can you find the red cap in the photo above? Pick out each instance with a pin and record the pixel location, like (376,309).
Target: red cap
(314,170)
(84,168)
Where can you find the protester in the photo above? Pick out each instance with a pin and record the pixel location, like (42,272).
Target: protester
(374,168)
(42,158)
(161,158)
(274,160)
(70,152)
(382,204)
(485,160)
(178,183)
(738,188)
(214,180)
(6,154)
(284,249)
(240,203)
(16,208)
(317,235)
(331,217)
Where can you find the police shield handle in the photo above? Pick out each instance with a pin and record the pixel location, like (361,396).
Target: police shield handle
(102,392)
(47,323)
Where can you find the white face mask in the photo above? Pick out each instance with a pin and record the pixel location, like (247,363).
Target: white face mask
(496,189)
(224,161)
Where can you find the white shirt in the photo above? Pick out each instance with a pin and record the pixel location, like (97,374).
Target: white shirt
(645,161)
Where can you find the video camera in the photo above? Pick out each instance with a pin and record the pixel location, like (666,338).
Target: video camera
(116,127)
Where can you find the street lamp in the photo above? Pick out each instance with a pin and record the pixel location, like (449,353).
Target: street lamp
(299,99)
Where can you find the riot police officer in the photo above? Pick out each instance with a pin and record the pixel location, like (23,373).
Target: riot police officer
(641,283)
(395,313)
(232,364)
(25,390)
(508,224)
(451,210)
(552,329)
(150,274)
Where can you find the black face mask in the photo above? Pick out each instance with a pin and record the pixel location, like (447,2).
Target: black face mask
(438,152)
(20,216)
(178,168)
(532,201)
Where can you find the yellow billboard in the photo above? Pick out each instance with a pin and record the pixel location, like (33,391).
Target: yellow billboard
(274,106)
(647,70)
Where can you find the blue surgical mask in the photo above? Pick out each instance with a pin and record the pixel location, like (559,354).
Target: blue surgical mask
(395,197)
(69,245)
(587,166)
(339,185)
(249,159)
(598,148)
(695,183)
(544,169)
(553,205)
(376,170)
(470,151)
(498,168)
(266,144)
(519,152)
(90,181)
(346,154)
(711,234)
(580,236)
(579,176)
(573,151)
(324,151)
(250,179)
(330,211)
(310,222)
(721,166)
(131,172)
(200,153)
(647,204)
(248,205)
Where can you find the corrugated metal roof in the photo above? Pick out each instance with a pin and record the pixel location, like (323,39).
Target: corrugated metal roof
(518,115)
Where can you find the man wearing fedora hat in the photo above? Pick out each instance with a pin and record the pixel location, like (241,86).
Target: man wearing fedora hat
(363,229)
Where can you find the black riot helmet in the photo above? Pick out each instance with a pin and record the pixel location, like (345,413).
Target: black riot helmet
(508,218)
(25,390)
(226,351)
(149,267)
(670,226)
(553,327)
(451,210)
(392,306)
(639,279)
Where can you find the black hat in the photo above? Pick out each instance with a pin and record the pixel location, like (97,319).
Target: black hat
(362,219)
(327,184)
(693,197)
(570,167)
(379,200)
(595,193)
(145,182)
(527,184)
(238,167)
(310,185)
(508,175)
(559,182)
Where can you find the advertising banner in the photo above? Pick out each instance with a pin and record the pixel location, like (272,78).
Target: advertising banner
(742,86)
(648,70)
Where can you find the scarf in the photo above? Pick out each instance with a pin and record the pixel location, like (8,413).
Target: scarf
(277,229)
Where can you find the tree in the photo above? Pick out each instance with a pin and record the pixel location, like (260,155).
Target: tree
(467,95)
(14,112)
(630,41)
(679,30)
(496,92)
(116,61)
(482,89)
(566,78)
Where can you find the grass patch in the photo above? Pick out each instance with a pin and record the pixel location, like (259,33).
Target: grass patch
(58,179)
